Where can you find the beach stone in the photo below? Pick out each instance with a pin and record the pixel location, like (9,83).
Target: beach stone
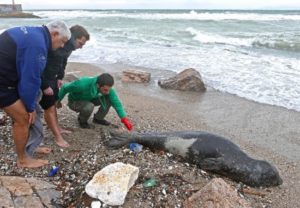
(136,76)
(28,202)
(216,194)
(5,198)
(187,80)
(18,186)
(111,184)
(96,204)
(2,117)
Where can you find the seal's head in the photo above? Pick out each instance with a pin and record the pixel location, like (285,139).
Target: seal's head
(264,174)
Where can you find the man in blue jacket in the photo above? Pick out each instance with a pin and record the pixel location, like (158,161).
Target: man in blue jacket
(23,56)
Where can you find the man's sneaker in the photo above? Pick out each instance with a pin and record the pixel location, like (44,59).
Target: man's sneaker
(101,122)
(83,124)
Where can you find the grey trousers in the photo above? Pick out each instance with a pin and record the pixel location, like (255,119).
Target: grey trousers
(36,135)
(86,108)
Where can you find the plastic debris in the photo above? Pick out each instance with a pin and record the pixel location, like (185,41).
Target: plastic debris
(53,171)
(149,183)
(135,147)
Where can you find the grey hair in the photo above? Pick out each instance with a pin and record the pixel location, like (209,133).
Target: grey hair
(60,27)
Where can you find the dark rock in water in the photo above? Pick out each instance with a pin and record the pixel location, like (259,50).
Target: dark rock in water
(18,15)
(187,80)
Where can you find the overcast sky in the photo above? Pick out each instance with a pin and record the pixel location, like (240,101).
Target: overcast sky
(157,4)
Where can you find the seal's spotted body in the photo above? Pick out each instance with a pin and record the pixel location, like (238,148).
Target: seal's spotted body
(210,152)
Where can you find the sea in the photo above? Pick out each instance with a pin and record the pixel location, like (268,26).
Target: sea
(252,54)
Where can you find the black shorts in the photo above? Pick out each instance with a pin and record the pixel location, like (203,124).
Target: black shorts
(49,100)
(8,96)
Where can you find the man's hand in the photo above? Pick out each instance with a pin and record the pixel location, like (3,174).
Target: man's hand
(31,117)
(127,123)
(48,91)
(58,104)
(59,83)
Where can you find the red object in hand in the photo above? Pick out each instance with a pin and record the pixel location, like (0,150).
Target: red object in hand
(127,123)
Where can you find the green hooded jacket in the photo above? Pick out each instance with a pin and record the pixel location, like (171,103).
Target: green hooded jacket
(85,88)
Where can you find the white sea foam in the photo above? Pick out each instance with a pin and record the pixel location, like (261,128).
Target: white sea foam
(213,38)
(279,41)
(161,16)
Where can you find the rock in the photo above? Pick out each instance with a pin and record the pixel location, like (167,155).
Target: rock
(111,184)
(5,199)
(26,192)
(2,117)
(16,185)
(217,193)
(28,201)
(187,80)
(70,77)
(47,195)
(96,204)
(38,184)
(18,15)
(136,76)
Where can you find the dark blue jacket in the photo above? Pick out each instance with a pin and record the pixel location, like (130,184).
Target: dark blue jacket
(23,56)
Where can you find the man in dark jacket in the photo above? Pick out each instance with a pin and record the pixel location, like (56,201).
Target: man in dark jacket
(23,55)
(52,79)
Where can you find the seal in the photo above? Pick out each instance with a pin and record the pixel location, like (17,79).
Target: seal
(209,152)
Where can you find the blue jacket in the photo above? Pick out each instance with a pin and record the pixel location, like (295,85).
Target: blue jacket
(23,56)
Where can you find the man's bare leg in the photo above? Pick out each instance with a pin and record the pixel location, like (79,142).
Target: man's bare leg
(43,150)
(20,130)
(51,120)
(62,130)
(65,131)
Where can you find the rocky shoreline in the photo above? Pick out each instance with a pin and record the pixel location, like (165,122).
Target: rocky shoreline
(18,15)
(154,109)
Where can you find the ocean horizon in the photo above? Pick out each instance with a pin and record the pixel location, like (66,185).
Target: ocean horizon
(250,53)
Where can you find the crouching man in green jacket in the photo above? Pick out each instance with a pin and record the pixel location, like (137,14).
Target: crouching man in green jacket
(88,92)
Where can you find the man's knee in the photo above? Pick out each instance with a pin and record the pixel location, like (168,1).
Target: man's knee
(88,108)
(18,113)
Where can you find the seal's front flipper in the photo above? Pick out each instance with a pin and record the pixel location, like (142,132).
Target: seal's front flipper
(212,164)
(117,142)
(117,133)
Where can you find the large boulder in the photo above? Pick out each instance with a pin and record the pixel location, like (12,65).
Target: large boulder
(218,194)
(111,184)
(136,76)
(187,80)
